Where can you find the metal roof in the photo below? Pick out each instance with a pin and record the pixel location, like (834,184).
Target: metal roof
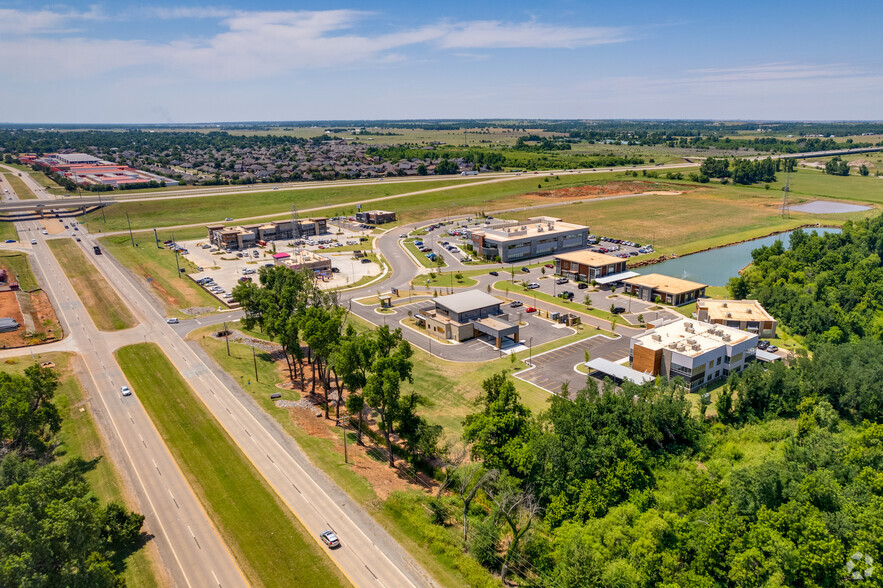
(466,301)
(620,372)
(616,277)
(766,356)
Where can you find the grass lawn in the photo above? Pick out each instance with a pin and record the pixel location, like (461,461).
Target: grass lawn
(19,265)
(444,279)
(324,453)
(7,230)
(108,311)
(420,256)
(808,184)
(79,439)
(180,211)
(700,219)
(18,185)
(271,546)
(157,268)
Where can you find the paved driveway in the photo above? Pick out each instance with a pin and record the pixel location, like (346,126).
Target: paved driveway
(551,369)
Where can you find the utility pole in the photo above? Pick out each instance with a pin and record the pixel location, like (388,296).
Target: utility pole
(227,338)
(131,236)
(178,265)
(101,206)
(785,190)
(156,238)
(342,423)
(255,358)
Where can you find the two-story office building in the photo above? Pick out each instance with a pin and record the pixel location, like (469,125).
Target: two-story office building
(513,241)
(699,353)
(588,265)
(242,237)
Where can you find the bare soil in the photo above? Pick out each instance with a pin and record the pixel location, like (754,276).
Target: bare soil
(608,189)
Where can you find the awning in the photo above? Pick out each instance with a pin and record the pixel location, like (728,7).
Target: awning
(766,356)
(612,278)
(620,372)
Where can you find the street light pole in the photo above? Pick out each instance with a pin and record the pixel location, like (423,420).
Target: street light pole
(131,236)
(255,358)
(530,351)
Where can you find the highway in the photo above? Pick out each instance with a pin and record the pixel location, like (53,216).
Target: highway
(368,555)
(192,552)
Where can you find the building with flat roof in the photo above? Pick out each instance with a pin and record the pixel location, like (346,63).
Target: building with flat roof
(88,170)
(304,260)
(469,314)
(241,237)
(698,352)
(376,217)
(587,265)
(512,240)
(747,315)
(669,290)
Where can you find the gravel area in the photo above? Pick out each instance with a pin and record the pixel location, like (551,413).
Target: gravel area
(195,310)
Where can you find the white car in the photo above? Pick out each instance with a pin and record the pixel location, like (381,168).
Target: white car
(125,391)
(172,321)
(33,241)
(45,232)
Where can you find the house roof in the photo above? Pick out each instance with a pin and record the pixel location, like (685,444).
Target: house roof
(589,258)
(466,301)
(665,284)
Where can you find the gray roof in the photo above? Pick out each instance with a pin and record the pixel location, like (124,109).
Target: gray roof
(766,356)
(466,301)
(620,372)
(616,277)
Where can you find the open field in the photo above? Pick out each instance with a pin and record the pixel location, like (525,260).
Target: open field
(18,264)
(107,310)
(268,542)
(21,189)
(79,439)
(157,269)
(699,219)
(7,230)
(205,209)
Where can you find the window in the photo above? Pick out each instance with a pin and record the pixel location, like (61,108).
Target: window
(718,361)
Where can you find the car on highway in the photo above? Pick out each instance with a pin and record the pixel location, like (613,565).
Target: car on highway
(617,310)
(125,391)
(33,241)
(515,303)
(330,539)
(78,239)
(493,273)
(45,232)
(97,250)
(228,219)
(172,321)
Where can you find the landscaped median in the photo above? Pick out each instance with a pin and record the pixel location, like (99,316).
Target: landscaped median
(107,310)
(268,542)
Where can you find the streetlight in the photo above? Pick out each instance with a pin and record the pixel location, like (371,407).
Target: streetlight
(530,351)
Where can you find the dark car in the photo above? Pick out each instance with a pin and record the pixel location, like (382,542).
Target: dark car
(763,344)
(515,303)
(582,285)
(618,310)
(494,273)
(97,250)
(366,260)
(525,269)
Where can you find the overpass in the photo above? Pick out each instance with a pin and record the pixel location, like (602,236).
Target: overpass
(46,206)
(831,153)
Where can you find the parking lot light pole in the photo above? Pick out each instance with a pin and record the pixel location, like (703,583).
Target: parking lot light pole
(530,351)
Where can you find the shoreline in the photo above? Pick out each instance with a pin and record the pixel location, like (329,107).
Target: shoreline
(662,258)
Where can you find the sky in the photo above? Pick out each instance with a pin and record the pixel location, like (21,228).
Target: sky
(164,62)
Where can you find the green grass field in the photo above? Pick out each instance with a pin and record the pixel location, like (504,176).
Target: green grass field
(79,439)
(105,307)
(21,189)
(7,230)
(206,209)
(20,266)
(158,270)
(269,543)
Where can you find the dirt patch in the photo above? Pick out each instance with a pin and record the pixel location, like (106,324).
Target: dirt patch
(53,227)
(39,313)
(608,189)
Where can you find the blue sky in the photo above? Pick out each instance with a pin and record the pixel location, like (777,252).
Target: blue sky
(86,62)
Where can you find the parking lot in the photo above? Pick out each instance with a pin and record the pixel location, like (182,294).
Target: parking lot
(228,268)
(552,369)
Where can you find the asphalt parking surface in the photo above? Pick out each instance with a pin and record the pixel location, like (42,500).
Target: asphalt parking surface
(552,369)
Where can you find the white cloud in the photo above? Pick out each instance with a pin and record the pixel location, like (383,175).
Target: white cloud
(34,22)
(533,35)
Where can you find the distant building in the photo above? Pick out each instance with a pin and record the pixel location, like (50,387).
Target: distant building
(588,265)
(241,237)
(89,170)
(376,217)
(747,315)
(467,315)
(697,352)
(669,290)
(303,259)
(518,240)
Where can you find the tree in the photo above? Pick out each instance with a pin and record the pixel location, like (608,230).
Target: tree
(518,509)
(28,418)
(500,434)
(468,480)
(863,170)
(837,167)
(458,276)
(421,169)
(321,330)
(355,404)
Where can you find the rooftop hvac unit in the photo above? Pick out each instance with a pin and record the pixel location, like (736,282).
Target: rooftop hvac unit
(726,337)
(550,226)
(688,325)
(719,332)
(681,347)
(539,229)
(691,341)
(697,347)
(748,310)
(672,345)
(729,315)
(656,337)
(724,304)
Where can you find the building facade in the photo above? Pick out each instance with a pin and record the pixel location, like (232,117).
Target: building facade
(376,217)
(588,265)
(747,315)
(513,241)
(669,290)
(463,316)
(242,237)
(699,353)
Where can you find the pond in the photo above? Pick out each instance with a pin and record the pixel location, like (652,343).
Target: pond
(717,266)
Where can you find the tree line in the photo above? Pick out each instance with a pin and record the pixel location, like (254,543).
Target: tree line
(53,530)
